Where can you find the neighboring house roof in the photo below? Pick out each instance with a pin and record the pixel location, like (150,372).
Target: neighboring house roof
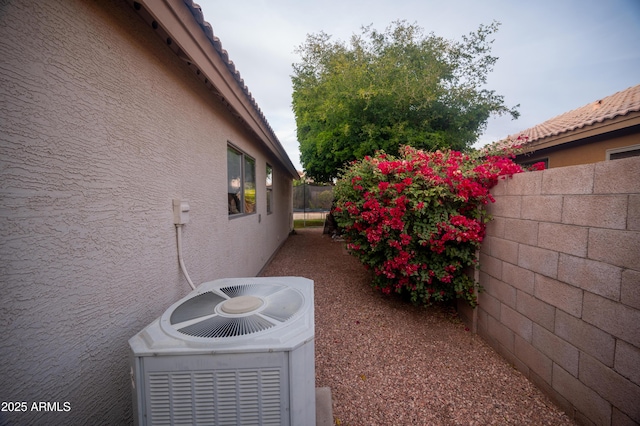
(611,113)
(191,38)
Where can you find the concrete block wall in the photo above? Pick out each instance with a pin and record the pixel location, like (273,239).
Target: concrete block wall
(560,268)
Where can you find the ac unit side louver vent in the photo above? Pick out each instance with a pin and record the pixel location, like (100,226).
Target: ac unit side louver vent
(224,397)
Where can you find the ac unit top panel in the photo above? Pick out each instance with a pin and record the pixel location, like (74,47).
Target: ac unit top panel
(233,315)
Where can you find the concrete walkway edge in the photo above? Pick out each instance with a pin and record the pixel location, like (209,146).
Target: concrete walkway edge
(324,407)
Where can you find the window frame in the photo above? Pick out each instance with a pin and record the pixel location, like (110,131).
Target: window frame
(530,163)
(242,198)
(622,150)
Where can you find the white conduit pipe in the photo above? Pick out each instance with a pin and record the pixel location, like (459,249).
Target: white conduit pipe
(180,259)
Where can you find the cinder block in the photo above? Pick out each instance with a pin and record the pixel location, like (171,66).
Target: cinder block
(500,333)
(586,400)
(563,238)
(627,361)
(615,318)
(562,296)
(545,208)
(617,177)
(587,338)
(505,206)
(495,227)
(517,322)
(504,250)
(555,396)
(618,418)
(524,184)
(501,291)
(596,211)
(500,188)
(522,231)
(485,248)
(560,351)
(633,213)
(490,265)
(597,277)
(538,311)
(539,260)
(620,248)
(489,304)
(467,315)
(533,358)
(630,288)
(518,277)
(482,324)
(568,180)
(622,393)
(486,245)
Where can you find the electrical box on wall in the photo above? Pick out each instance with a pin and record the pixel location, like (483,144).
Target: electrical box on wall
(180,212)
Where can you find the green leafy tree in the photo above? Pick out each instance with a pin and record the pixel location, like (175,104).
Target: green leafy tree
(389,89)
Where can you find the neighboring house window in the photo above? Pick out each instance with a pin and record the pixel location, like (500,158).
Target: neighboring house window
(241,182)
(624,152)
(269,183)
(530,163)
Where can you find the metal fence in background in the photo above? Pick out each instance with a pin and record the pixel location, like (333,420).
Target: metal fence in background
(311,201)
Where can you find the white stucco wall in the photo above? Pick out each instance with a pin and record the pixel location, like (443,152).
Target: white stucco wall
(101,127)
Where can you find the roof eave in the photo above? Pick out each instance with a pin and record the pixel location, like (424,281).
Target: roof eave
(193,41)
(596,129)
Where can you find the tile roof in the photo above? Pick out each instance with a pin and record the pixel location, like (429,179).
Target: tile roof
(613,106)
(196,11)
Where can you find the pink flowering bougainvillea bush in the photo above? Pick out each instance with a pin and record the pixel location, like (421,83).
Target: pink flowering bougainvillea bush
(417,220)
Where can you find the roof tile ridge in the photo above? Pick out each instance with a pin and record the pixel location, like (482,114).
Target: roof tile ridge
(556,125)
(196,11)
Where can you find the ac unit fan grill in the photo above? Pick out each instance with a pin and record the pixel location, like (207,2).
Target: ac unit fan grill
(227,327)
(198,316)
(196,307)
(250,290)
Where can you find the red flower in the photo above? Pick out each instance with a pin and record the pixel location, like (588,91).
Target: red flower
(410,238)
(537,166)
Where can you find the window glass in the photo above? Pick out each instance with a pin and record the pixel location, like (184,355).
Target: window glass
(623,152)
(241,182)
(249,185)
(234,181)
(530,163)
(269,184)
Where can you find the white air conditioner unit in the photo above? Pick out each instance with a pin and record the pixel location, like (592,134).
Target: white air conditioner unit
(236,351)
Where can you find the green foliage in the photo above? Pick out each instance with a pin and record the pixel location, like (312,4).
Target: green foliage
(324,200)
(417,220)
(389,89)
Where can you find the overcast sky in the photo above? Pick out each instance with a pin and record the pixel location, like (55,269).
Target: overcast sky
(554,55)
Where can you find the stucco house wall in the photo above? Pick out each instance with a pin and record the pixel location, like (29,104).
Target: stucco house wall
(587,151)
(102,126)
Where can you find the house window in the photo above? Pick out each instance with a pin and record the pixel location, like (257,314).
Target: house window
(269,184)
(529,163)
(624,152)
(241,182)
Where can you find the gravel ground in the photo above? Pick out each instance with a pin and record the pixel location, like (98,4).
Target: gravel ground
(390,363)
